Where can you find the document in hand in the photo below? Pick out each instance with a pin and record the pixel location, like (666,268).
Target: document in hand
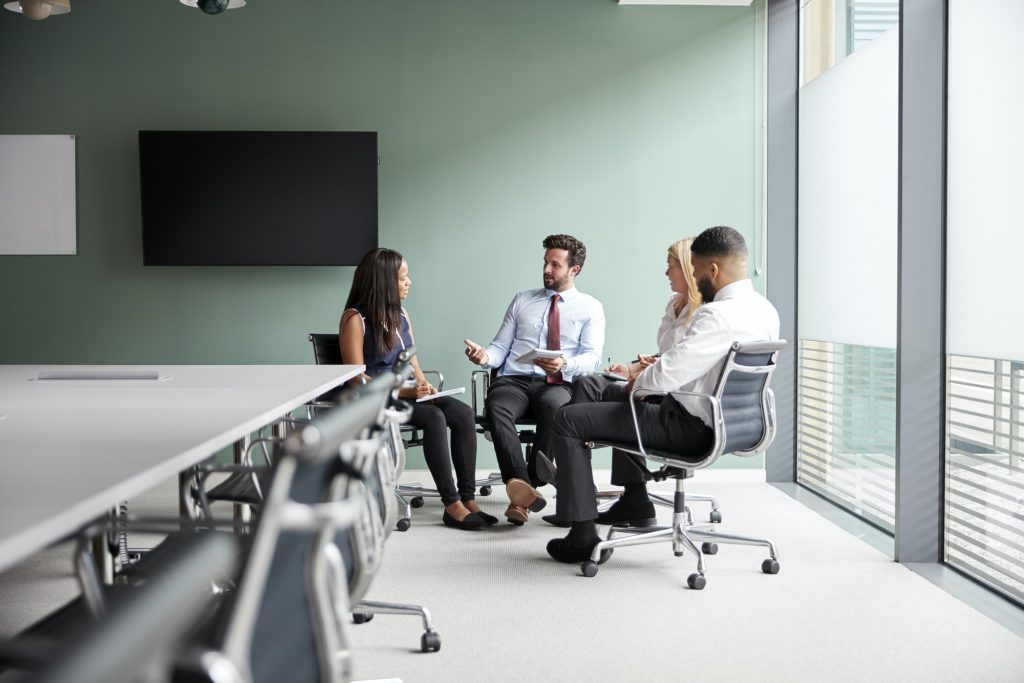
(446,392)
(536,354)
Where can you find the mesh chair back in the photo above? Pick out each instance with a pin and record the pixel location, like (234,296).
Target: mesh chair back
(744,398)
(279,622)
(144,630)
(326,348)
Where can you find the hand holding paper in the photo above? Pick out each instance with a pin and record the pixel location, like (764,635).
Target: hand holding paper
(439,394)
(531,356)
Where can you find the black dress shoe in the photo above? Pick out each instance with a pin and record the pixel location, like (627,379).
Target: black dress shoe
(629,514)
(470,522)
(546,470)
(555,520)
(564,551)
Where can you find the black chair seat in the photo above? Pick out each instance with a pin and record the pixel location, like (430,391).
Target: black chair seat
(631,447)
(239,488)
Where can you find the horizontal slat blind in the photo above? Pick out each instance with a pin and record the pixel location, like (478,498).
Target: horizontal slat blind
(985,471)
(846,421)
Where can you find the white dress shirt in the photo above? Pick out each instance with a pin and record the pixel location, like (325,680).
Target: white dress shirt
(673,326)
(694,362)
(525,328)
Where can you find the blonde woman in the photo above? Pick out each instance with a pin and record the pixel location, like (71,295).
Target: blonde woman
(678,313)
(634,507)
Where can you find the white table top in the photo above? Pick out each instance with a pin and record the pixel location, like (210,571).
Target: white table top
(71,449)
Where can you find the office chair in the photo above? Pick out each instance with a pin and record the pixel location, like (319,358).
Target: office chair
(743,409)
(281,622)
(357,553)
(130,644)
(278,624)
(327,351)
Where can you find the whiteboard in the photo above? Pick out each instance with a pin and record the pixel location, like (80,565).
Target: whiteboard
(37,194)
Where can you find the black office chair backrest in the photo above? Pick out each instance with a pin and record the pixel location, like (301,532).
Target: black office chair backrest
(278,619)
(360,546)
(744,397)
(326,348)
(141,632)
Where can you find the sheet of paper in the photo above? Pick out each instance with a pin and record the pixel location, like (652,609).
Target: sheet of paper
(446,392)
(531,356)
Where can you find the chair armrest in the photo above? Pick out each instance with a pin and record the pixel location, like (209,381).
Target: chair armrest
(312,517)
(440,378)
(399,411)
(480,382)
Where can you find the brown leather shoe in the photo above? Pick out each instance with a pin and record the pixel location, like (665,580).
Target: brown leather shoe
(516,514)
(525,496)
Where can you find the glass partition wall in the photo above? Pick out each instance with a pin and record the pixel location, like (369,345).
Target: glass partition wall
(848,188)
(984,497)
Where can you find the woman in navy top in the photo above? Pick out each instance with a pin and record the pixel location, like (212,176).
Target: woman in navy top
(374,329)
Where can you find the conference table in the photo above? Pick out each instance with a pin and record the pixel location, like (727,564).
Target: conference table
(75,440)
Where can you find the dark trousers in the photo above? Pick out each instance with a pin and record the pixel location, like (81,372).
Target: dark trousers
(434,418)
(511,398)
(627,468)
(665,426)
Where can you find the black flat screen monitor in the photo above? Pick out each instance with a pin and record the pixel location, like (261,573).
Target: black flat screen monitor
(257,198)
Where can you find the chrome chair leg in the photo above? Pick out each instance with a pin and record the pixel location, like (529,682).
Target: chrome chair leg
(405,521)
(429,641)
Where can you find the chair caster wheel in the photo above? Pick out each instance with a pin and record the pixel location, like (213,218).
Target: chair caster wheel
(716,516)
(696,581)
(709,548)
(485,490)
(358,618)
(416,502)
(430,642)
(589,569)
(403,524)
(770,566)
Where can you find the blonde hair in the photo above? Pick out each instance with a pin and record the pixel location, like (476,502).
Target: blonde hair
(680,251)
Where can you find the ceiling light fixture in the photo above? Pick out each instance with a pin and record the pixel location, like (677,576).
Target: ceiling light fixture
(39,9)
(214,6)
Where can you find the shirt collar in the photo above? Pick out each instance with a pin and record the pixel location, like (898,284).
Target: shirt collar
(567,295)
(734,289)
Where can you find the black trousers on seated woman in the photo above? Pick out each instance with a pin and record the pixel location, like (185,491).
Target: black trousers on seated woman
(434,418)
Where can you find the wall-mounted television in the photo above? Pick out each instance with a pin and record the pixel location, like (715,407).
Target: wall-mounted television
(257,198)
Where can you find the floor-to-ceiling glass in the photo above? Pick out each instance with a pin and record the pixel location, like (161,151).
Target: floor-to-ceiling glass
(848,189)
(984,498)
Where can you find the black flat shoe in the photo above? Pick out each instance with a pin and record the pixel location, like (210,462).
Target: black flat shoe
(564,551)
(470,522)
(489,520)
(555,520)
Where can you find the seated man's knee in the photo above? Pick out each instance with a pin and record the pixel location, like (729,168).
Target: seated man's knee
(588,388)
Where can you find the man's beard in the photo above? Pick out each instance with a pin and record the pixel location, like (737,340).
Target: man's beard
(707,290)
(556,284)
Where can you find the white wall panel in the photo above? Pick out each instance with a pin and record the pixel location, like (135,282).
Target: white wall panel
(985,180)
(848,198)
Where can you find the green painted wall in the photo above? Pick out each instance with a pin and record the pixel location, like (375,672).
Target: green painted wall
(500,122)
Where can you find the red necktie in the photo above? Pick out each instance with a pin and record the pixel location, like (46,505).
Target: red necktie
(554,337)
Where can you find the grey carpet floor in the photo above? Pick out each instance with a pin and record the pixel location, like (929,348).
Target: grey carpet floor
(838,610)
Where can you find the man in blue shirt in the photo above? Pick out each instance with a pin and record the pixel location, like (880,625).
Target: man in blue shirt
(557,317)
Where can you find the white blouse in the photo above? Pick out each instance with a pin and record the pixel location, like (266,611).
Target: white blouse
(673,327)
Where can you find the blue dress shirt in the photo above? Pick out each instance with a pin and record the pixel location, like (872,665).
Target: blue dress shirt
(525,328)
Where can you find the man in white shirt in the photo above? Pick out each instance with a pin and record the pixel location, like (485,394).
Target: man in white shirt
(557,317)
(732,312)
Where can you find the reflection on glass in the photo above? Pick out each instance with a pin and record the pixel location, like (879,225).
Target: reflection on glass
(832,29)
(985,471)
